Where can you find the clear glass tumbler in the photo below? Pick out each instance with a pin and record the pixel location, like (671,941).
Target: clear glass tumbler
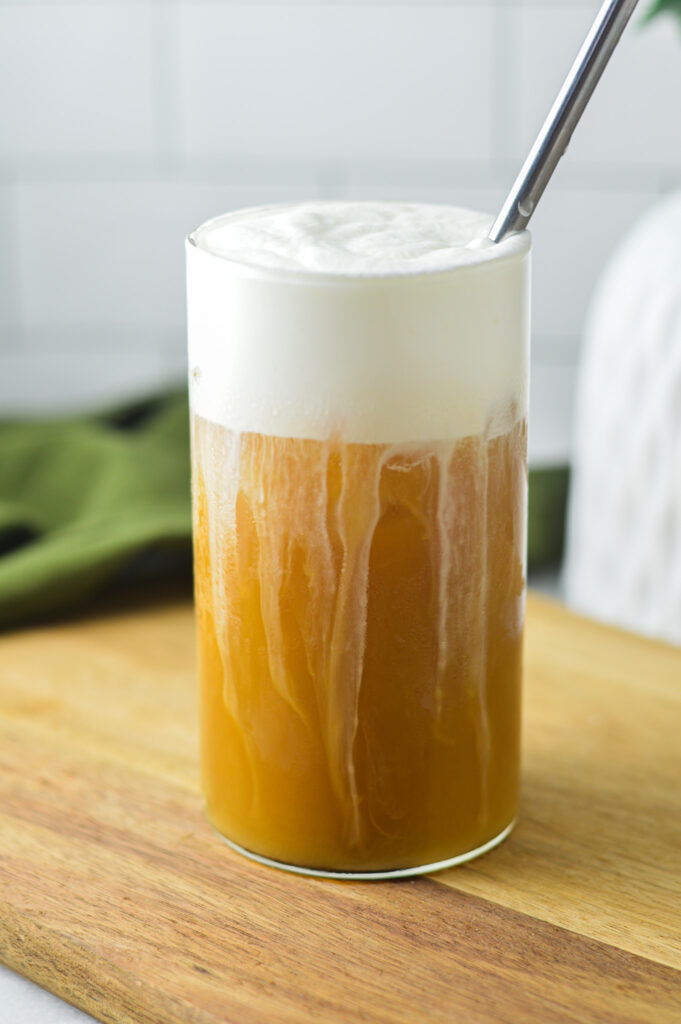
(359,486)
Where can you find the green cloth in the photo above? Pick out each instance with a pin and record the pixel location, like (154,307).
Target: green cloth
(81,498)
(546,512)
(82,501)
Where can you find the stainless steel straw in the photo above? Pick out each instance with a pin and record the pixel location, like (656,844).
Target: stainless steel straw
(557,130)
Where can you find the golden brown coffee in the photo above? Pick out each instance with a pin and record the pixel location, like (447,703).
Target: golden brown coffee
(360,614)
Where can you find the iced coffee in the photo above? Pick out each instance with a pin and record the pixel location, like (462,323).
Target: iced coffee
(358,377)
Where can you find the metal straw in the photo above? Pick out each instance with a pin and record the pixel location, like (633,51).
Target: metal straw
(557,130)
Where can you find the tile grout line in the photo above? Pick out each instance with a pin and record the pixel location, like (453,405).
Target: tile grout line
(176,167)
(12,245)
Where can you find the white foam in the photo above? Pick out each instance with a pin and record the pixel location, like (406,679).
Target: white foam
(366,239)
(376,322)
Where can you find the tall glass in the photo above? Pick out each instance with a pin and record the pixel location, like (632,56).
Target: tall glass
(359,487)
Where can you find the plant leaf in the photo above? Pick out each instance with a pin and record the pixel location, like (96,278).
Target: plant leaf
(662,7)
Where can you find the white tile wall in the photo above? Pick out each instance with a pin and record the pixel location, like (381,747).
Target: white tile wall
(112,253)
(40,383)
(124,123)
(75,80)
(459,192)
(633,117)
(552,395)
(333,81)
(10,309)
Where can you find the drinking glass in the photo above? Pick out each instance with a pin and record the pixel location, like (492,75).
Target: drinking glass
(359,488)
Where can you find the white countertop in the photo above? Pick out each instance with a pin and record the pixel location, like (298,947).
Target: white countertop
(23,1002)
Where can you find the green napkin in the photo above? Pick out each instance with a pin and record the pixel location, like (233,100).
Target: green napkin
(82,500)
(546,511)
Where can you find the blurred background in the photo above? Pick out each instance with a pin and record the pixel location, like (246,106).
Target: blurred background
(125,124)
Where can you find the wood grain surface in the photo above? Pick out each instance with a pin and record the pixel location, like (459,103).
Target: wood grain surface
(115,893)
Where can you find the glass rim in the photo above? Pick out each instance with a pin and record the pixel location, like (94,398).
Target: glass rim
(515,246)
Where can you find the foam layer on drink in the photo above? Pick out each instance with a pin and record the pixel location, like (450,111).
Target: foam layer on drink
(368,322)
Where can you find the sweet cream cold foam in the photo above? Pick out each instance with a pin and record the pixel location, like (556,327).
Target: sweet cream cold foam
(371,322)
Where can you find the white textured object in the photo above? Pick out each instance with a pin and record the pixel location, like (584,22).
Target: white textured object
(623,561)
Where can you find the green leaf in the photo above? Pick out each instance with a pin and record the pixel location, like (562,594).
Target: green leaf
(662,7)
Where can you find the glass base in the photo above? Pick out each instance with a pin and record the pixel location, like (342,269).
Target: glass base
(368,876)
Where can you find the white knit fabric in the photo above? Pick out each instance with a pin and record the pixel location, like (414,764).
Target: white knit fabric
(623,559)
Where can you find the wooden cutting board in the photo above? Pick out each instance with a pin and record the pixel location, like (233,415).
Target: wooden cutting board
(115,893)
